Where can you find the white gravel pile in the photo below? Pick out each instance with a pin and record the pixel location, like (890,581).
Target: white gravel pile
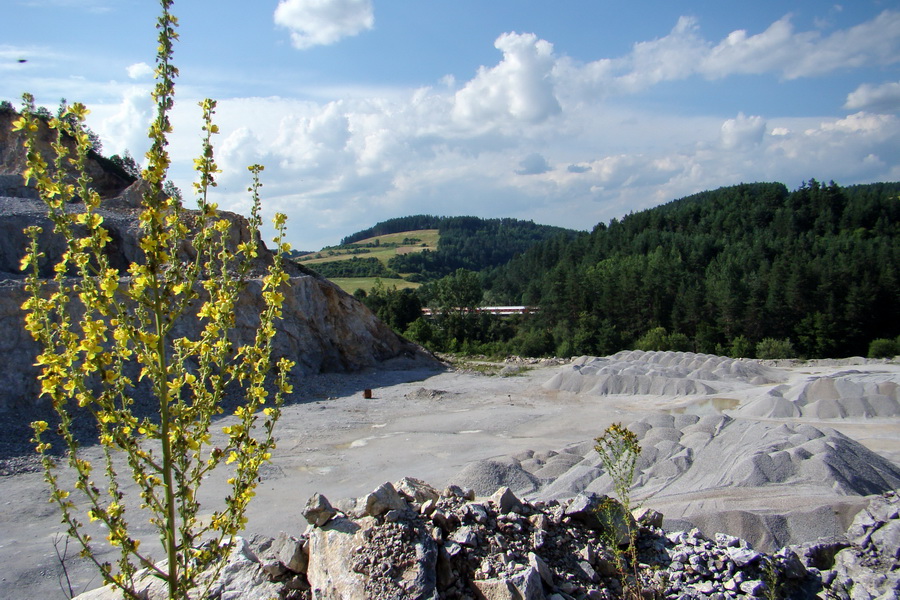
(634,372)
(847,394)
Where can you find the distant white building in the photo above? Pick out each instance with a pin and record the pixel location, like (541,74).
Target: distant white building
(495,310)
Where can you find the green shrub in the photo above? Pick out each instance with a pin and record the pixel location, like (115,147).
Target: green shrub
(770,348)
(658,339)
(741,347)
(884,348)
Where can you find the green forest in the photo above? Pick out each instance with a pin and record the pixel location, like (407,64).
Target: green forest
(748,270)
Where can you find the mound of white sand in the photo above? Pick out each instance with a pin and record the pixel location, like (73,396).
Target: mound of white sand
(485,476)
(852,394)
(634,372)
(739,476)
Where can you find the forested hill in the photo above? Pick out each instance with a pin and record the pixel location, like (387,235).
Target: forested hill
(819,266)
(398,225)
(465,242)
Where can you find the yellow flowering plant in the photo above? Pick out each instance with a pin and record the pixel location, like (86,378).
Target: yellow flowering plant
(104,333)
(619,450)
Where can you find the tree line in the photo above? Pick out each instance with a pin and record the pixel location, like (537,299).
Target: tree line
(747,270)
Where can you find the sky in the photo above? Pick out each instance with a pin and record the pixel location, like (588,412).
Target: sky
(564,113)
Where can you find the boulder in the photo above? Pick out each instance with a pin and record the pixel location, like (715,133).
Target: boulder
(383,499)
(416,490)
(524,585)
(603,514)
(318,510)
(359,560)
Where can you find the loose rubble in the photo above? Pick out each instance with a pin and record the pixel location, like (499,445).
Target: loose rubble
(408,541)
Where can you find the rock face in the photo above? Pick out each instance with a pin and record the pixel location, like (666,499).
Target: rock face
(452,546)
(323,329)
(109,180)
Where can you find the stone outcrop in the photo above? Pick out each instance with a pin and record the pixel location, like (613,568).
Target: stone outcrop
(109,180)
(451,545)
(323,328)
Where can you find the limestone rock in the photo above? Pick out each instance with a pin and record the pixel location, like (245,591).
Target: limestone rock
(357,560)
(318,510)
(480,551)
(525,585)
(416,490)
(868,568)
(323,329)
(242,578)
(383,499)
(604,514)
(331,550)
(505,500)
(290,552)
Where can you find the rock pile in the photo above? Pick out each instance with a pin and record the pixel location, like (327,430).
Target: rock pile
(851,393)
(634,372)
(716,473)
(407,540)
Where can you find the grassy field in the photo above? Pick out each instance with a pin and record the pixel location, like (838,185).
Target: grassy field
(388,246)
(351,284)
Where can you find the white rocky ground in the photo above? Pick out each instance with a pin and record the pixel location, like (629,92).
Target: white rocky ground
(780,452)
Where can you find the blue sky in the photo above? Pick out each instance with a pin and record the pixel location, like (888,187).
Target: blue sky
(565,113)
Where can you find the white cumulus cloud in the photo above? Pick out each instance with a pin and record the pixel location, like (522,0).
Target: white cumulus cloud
(519,87)
(780,50)
(743,131)
(880,98)
(139,70)
(323,22)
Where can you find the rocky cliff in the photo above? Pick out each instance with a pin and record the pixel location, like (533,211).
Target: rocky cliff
(324,329)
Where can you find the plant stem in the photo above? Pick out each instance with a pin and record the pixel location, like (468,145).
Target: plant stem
(163,395)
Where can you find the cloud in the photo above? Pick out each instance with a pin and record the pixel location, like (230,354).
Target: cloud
(743,131)
(323,22)
(674,56)
(779,50)
(792,54)
(94,6)
(881,98)
(533,164)
(535,135)
(125,126)
(139,70)
(520,88)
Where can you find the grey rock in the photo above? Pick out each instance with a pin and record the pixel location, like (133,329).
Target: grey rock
(416,490)
(318,510)
(466,536)
(291,552)
(743,556)
(754,587)
(543,570)
(648,517)
(887,539)
(820,554)
(603,514)
(505,500)
(382,499)
(585,570)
